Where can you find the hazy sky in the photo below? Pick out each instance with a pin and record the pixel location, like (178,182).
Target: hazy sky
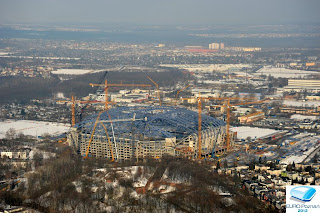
(160,11)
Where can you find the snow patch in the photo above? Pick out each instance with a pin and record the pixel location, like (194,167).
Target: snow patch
(141,182)
(46,155)
(283,72)
(254,132)
(33,128)
(301,103)
(74,71)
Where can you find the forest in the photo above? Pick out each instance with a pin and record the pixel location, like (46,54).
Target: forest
(23,89)
(69,183)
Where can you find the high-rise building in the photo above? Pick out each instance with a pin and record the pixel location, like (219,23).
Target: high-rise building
(214,46)
(221,46)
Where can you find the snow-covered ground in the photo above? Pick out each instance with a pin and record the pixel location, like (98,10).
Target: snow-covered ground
(208,67)
(301,103)
(74,71)
(33,128)
(46,155)
(254,132)
(283,72)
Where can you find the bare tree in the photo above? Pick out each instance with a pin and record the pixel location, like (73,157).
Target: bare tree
(11,134)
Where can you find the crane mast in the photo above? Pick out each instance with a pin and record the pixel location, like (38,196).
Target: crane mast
(73,103)
(227,103)
(157,86)
(106,87)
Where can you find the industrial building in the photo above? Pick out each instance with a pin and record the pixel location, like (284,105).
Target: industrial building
(252,117)
(127,133)
(301,85)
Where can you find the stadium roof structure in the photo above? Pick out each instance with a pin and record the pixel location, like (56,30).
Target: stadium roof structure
(148,122)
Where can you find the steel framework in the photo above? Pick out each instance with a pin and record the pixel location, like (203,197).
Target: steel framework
(140,127)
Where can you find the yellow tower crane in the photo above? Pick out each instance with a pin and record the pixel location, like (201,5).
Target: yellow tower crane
(105,128)
(106,87)
(157,86)
(227,100)
(181,91)
(73,103)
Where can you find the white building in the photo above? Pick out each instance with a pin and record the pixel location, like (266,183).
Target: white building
(297,85)
(14,155)
(214,46)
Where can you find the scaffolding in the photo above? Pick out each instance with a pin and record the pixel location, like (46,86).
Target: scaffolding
(141,132)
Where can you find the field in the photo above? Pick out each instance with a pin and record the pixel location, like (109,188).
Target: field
(33,128)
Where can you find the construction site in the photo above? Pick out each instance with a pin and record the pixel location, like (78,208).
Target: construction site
(144,131)
(133,133)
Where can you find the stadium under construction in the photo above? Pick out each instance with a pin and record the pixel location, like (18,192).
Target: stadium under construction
(127,133)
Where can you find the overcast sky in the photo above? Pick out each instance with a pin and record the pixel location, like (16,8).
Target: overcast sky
(160,11)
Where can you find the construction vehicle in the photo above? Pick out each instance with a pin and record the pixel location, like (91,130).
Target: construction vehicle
(62,140)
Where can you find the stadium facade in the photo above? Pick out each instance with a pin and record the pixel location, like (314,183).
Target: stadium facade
(127,133)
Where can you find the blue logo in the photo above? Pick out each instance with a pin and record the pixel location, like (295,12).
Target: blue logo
(303,193)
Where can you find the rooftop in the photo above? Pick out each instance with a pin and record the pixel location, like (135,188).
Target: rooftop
(152,122)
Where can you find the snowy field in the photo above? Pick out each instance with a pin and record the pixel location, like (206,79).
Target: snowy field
(254,132)
(33,128)
(74,71)
(208,67)
(283,72)
(301,103)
